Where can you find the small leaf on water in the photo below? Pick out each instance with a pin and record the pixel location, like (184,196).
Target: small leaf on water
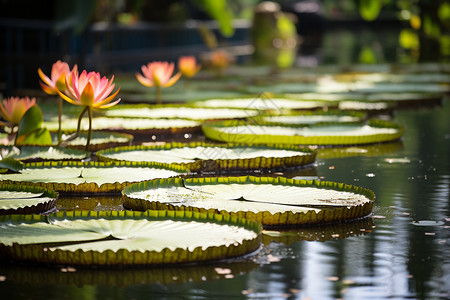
(333,278)
(427,223)
(271,258)
(31,120)
(222,271)
(397,160)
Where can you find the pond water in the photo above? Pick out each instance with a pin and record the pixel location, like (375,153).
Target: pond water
(400,252)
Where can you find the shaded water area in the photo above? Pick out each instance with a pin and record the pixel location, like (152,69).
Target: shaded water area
(400,252)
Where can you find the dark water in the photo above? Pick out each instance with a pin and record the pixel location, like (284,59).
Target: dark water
(400,252)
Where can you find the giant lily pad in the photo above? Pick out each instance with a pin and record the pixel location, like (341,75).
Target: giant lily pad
(272,201)
(126,238)
(179,112)
(309,118)
(323,134)
(129,125)
(99,140)
(371,150)
(263,103)
(89,177)
(329,85)
(19,199)
(46,153)
(214,157)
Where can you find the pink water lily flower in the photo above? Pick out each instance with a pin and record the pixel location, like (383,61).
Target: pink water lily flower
(158,73)
(57,80)
(89,89)
(12,109)
(188,66)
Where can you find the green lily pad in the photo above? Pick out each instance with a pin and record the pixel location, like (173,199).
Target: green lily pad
(262,103)
(375,131)
(99,140)
(309,118)
(333,86)
(127,125)
(89,177)
(361,150)
(126,238)
(214,157)
(19,199)
(48,153)
(378,106)
(271,201)
(178,112)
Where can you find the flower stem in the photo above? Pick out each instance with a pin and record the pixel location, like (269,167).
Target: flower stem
(158,95)
(90,128)
(75,135)
(60,104)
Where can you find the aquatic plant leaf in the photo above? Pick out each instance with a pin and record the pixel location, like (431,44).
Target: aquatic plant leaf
(30,131)
(99,140)
(20,199)
(178,112)
(214,157)
(271,201)
(89,177)
(111,238)
(10,163)
(50,153)
(310,118)
(261,103)
(123,124)
(221,12)
(322,134)
(370,9)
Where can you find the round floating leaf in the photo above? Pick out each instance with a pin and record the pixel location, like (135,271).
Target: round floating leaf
(363,150)
(20,199)
(99,140)
(128,125)
(126,238)
(310,118)
(263,103)
(89,177)
(271,201)
(9,163)
(178,112)
(214,157)
(375,131)
(49,153)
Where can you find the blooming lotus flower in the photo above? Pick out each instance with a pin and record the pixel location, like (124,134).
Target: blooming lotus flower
(158,74)
(57,80)
(220,60)
(12,109)
(89,89)
(188,66)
